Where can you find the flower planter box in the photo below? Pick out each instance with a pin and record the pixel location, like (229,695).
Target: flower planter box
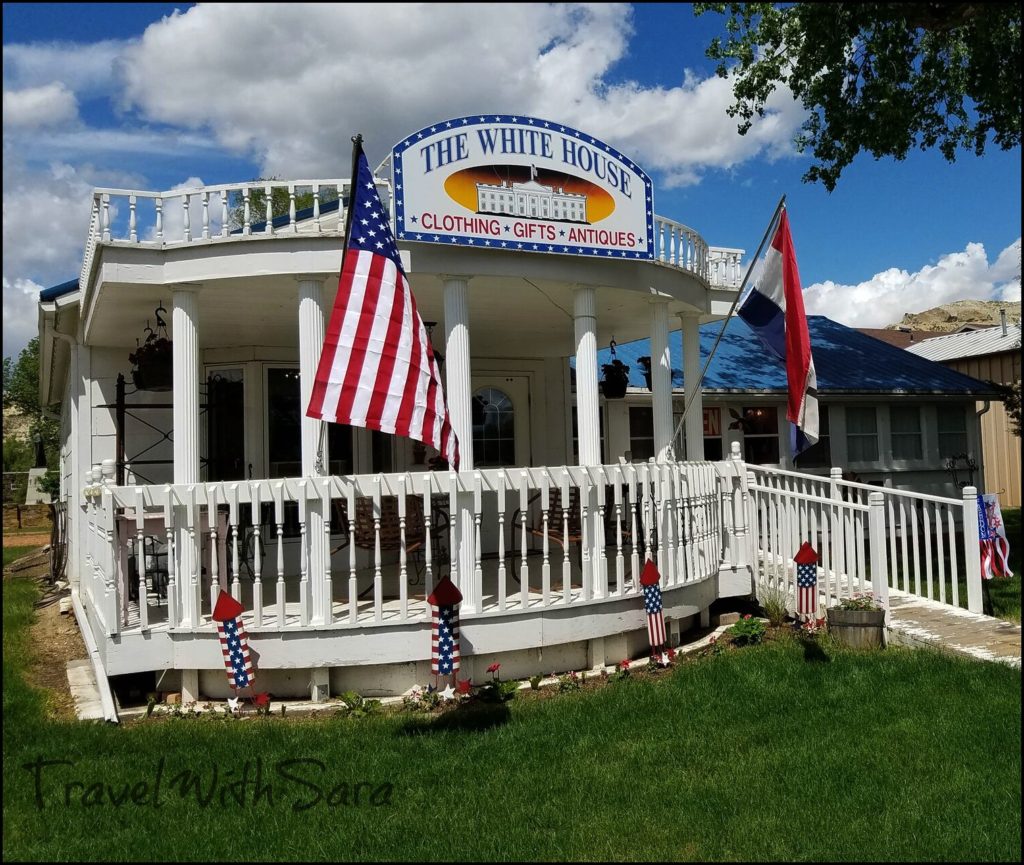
(858,629)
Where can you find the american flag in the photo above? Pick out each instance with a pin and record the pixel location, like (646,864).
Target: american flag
(806,581)
(649,579)
(377,369)
(995,547)
(233,641)
(444,654)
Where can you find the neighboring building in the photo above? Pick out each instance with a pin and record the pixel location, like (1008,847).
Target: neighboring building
(901,337)
(990,354)
(887,417)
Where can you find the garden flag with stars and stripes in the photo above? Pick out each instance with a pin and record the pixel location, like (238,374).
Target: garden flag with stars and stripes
(774,310)
(649,579)
(995,547)
(444,652)
(377,369)
(806,581)
(234,643)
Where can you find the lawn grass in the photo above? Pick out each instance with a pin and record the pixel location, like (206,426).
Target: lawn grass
(13,553)
(765,753)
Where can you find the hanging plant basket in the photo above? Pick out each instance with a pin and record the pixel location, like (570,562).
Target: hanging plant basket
(153,361)
(645,363)
(616,379)
(154,376)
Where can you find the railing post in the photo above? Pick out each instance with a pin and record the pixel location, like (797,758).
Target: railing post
(877,542)
(972,554)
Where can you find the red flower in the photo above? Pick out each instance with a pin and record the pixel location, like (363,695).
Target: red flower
(261,699)
(463,686)
(493,668)
(625,664)
(747,616)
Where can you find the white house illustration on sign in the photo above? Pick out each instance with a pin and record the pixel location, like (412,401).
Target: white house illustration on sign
(531,199)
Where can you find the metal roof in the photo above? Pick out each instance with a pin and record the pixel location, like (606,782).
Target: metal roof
(846,361)
(970,343)
(48,294)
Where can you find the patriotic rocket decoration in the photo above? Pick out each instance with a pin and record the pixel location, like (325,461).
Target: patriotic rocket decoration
(444,655)
(649,579)
(234,642)
(806,582)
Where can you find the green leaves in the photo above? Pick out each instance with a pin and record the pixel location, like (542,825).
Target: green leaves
(877,77)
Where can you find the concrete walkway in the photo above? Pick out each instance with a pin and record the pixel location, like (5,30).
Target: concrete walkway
(917,621)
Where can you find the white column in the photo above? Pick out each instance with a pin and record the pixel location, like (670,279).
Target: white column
(315,459)
(694,426)
(661,379)
(459,393)
(588,426)
(587,407)
(185,358)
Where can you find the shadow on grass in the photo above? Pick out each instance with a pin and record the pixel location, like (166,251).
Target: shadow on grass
(813,652)
(474,717)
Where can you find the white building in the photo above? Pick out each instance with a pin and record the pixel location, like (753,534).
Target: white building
(172,496)
(531,199)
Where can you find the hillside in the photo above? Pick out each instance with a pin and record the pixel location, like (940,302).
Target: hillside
(952,316)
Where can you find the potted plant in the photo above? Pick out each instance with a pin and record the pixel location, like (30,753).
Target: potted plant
(153,364)
(645,362)
(858,622)
(616,379)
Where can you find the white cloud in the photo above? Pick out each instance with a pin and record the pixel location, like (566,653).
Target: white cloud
(87,68)
(21,321)
(887,296)
(388,72)
(33,107)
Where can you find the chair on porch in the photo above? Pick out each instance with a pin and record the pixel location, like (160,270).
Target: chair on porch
(556,527)
(365,530)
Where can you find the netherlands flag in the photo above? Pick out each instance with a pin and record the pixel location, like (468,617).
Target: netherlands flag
(774,310)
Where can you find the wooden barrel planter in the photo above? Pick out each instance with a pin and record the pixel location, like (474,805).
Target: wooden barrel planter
(857,629)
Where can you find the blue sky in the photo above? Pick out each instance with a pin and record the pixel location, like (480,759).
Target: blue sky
(134,95)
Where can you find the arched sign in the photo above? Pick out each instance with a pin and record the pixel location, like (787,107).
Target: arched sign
(521,184)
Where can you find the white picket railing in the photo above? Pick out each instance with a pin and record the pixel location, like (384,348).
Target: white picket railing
(614,516)
(868,538)
(242,210)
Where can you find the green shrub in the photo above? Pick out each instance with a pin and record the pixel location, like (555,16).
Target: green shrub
(747,631)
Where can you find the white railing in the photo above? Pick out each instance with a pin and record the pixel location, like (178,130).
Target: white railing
(725,268)
(203,213)
(390,532)
(241,210)
(868,538)
(680,246)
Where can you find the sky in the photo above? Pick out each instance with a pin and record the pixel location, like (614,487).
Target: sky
(155,96)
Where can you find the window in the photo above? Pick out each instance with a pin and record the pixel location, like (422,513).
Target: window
(760,434)
(641,432)
(225,425)
(818,455)
(284,429)
(951,421)
(712,433)
(861,434)
(905,421)
(494,428)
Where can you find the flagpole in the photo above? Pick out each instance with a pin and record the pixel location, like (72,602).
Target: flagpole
(692,391)
(357,149)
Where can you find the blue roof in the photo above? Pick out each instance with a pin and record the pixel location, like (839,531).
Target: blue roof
(846,361)
(48,294)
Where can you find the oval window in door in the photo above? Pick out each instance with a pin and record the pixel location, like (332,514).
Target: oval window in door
(494,428)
